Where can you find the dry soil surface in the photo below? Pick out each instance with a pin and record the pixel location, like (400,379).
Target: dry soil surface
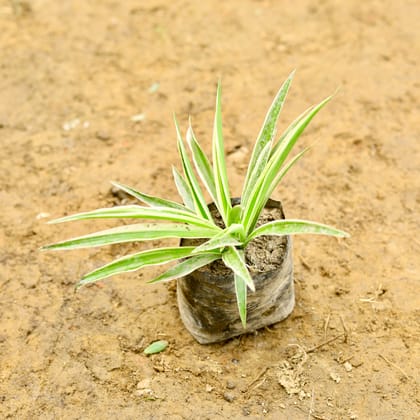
(87,92)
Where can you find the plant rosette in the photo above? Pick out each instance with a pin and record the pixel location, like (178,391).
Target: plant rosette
(234,266)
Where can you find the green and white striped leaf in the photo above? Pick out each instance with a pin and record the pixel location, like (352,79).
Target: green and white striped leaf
(241,297)
(202,164)
(186,267)
(265,192)
(290,128)
(230,236)
(138,212)
(135,262)
(235,215)
(149,199)
(295,227)
(266,134)
(219,164)
(134,233)
(259,167)
(197,194)
(264,185)
(235,260)
(183,188)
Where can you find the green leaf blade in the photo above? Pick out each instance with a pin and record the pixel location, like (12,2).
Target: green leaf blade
(133,233)
(138,212)
(134,262)
(223,202)
(294,227)
(290,128)
(156,347)
(264,185)
(186,267)
(235,260)
(184,189)
(230,236)
(266,134)
(197,195)
(149,199)
(202,164)
(259,167)
(241,297)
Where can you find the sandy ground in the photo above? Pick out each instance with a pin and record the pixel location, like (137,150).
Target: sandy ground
(72,76)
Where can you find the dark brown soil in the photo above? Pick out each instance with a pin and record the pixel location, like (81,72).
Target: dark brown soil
(87,95)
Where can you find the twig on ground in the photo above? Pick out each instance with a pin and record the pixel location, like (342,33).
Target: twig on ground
(304,263)
(346,331)
(324,343)
(327,323)
(347,359)
(260,375)
(393,365)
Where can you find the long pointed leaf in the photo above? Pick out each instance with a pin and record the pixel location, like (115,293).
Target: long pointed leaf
(259,195)
(197,194)
(138,212)
(235,260)
(135,262)
(241,297)
(267,132)
(286,132)
(183,189)
(257,171)
(266,190)
(202,164)
(134,233)
(294,227)
(219,163)
(186,267)
(149,199)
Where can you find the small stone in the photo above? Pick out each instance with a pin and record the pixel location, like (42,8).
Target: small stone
(42,215)
(154,87)
(335,377)
(230,385)
(144,392)
(138,118)
(348,366)
(70,125)
(209,388)
(102,135)
(229,397)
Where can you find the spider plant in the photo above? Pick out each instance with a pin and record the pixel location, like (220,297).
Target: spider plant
(192,218)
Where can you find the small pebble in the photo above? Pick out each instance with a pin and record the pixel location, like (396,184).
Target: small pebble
(102,135)
(335,377)
(138,117)
(230,385)
(348,366)
(229,397)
